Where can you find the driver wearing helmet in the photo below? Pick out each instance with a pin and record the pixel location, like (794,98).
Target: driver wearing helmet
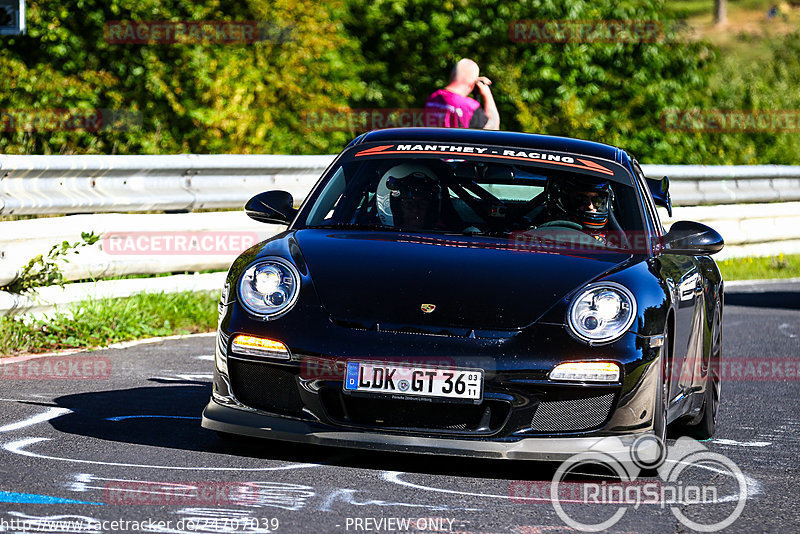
(409,196)
(582,201)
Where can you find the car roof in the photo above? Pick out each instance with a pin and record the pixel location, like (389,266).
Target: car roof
(498,138)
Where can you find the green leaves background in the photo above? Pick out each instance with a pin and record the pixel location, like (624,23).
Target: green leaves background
(252,98)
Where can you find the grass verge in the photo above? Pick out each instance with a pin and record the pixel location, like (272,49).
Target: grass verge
(98,323)
(780,266)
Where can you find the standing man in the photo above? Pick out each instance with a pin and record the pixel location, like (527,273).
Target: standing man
(452,106)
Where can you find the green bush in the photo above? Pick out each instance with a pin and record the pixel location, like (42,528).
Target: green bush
(202,98)
(253,98)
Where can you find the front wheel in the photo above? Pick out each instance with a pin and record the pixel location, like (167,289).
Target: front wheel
(661,409)
(707,425)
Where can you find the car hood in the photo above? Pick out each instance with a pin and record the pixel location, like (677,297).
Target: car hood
(476,283)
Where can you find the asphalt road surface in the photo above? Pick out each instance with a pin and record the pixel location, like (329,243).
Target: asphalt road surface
(122,451)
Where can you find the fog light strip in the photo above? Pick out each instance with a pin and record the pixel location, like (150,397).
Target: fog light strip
(259,346)
(586,372)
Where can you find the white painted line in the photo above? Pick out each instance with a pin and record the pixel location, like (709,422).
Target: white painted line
(767,281)
(121,345)
(197,377)
(753,486)
(24,357)
(137,342)
(124,417)
(742,443)
(786,326)
(18,447)
(52,413)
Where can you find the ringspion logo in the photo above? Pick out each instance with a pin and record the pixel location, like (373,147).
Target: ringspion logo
(690,478)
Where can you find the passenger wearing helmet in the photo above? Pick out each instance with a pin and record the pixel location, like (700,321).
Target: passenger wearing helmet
(410,196)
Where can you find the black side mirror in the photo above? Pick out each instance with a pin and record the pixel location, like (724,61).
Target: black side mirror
(660,191)
(271,207)
(690,238)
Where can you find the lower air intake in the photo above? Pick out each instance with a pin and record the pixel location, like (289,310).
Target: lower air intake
(264,387)
(572,415)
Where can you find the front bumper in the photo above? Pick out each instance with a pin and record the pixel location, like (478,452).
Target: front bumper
(236,421)
(523,415)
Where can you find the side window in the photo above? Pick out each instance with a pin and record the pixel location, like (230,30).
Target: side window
(652,214)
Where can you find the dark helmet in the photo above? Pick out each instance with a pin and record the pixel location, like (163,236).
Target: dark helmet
(574,198)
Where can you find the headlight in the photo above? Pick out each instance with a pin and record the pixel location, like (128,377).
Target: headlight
(602,312)
(269,287)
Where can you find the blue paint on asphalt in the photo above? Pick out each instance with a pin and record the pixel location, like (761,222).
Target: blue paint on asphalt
(123,417)
(33,498)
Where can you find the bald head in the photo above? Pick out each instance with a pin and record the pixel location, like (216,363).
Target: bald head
(465,72)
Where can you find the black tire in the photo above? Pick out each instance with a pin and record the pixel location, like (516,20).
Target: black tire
(707,425)
(660,412)
(660,425)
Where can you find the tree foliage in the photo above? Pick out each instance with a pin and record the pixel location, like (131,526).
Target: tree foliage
(253,98)
(204,98)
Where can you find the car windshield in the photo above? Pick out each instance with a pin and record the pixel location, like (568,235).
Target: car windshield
(471,196)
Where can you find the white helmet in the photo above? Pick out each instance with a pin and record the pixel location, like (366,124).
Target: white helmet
(407,179)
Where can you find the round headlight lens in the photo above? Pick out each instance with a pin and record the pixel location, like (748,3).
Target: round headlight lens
(602,312)
(269,287)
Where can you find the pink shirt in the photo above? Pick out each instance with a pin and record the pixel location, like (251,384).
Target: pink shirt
(449,110)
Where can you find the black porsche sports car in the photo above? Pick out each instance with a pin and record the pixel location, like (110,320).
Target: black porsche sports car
(469,292)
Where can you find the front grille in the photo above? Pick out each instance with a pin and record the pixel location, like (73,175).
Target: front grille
(573,414)
(265,387)
(377,412)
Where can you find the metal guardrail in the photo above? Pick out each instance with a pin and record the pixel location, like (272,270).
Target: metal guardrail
(36,185)
(693,185)
(132,243)
(732,199)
